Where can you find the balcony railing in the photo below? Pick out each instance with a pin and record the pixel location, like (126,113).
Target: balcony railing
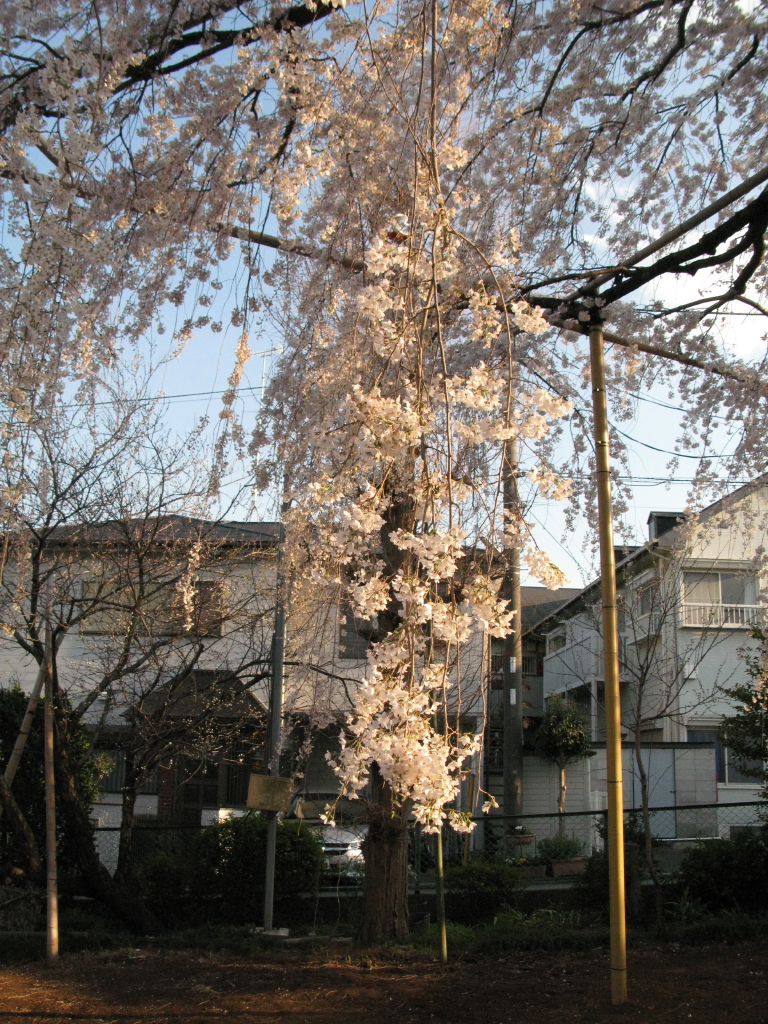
(714,615)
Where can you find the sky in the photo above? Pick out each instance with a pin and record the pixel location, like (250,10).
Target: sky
(195,380)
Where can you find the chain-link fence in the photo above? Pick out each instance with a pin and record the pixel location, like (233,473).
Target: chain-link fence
(520,836)
(495,836)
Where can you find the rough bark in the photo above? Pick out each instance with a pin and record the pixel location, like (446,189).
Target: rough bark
(385,849)
(34,864)
(561,802)
(124,871)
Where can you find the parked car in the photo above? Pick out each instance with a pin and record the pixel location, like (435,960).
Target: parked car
(343,848)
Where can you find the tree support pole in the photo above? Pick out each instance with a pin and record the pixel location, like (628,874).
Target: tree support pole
(26,725)
(275,730)
(611,672)
(51,882)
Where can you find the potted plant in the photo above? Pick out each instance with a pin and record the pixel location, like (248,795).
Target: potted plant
(564,855)
(531,868)
(519,835)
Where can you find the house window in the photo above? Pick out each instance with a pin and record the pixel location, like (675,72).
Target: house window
(159,613)
(719,599)
(730,770)
(354,639)
(530,665)
(731,588)
(556,640)
(646,600)
(114,780)
(199,791)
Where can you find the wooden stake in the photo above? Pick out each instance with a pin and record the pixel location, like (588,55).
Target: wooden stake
(610,672)
(51,883)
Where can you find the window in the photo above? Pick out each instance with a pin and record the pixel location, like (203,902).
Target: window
(730,588)
(531,665)
(198,791)
(730,770)
(556,640)
(161,613)
(114,780)
(354,637)
(646,599)
(720,598)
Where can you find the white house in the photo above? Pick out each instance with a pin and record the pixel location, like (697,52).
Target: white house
(687,598)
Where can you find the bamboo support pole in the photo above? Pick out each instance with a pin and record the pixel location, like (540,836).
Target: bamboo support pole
(51,881)
(610,671)
(26,725)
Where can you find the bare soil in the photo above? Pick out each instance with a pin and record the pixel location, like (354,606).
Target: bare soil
(342,986)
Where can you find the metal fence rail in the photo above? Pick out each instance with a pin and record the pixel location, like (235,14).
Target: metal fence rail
(501,835)
(494,836)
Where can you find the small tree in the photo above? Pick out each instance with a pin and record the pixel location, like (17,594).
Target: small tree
(745,734)
(562,739)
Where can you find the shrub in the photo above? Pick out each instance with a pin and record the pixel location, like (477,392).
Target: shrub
(221,877)
(729,874)
(29,783)
(559,848)
(477,892)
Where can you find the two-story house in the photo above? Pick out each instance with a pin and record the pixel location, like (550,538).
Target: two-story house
(687,600)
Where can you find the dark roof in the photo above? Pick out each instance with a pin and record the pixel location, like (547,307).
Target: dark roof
(169,530)
(539,602)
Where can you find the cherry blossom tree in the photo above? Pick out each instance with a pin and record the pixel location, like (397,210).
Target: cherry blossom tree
(448,183)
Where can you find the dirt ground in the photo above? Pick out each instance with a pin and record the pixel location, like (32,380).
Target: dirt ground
(342,986)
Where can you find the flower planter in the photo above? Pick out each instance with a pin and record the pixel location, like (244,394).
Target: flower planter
(563,868)
(521,840)
(532,872)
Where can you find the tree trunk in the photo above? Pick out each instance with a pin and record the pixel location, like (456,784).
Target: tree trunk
(120,899)
(561,802)
(658,891)
(34,864)
(385,849)
(124,871)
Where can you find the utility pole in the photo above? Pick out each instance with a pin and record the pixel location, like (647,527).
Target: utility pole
(512,667)
(610,671)
(51,881)
(274,733)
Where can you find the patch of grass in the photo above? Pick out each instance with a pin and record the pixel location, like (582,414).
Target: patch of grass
(730,927)
(549,930)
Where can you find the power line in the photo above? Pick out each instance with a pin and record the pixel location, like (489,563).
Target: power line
(163,398)
(665,451)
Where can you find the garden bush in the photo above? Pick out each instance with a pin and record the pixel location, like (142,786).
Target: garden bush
(559,848)
(477,892)
(220,877)
(729,874)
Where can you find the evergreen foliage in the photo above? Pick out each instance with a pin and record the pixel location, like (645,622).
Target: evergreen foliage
(29,784)
(218,875)
(563,736)
(745,733)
